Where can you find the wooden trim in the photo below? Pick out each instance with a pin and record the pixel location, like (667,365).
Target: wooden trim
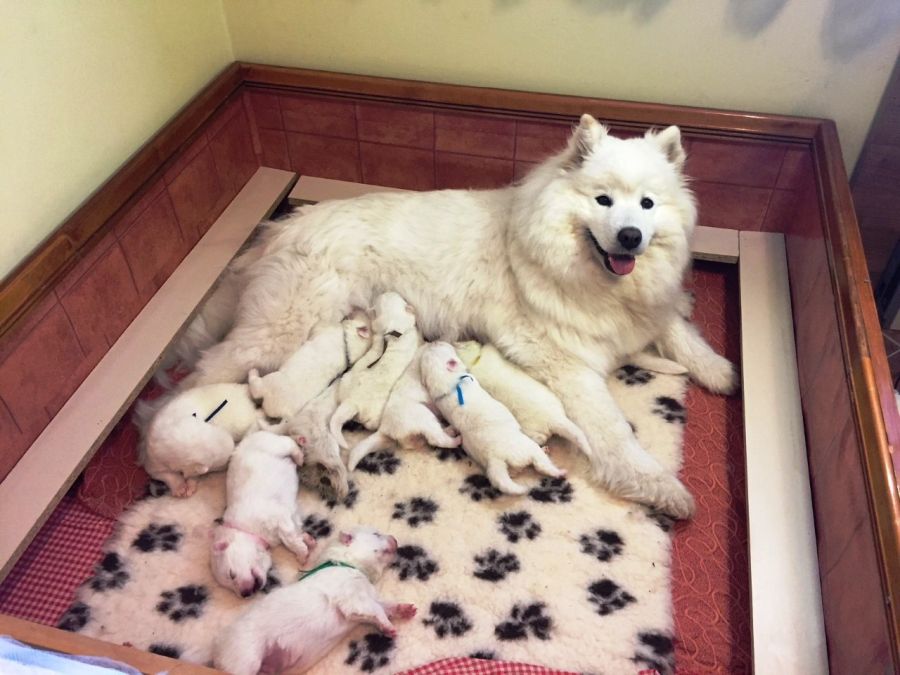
(871,389)
(38,481)
(35,276)
(710,243)
(624,113)
(785,593)
(57,640)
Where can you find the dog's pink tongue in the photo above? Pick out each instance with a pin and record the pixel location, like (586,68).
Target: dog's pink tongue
(621,264)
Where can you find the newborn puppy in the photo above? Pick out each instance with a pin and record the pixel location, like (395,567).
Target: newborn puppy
(490,434)
(407,418)
(538,410)
(392,314)
(261,493)
(293,627)
(194,433)
(327,354)
(309,429)
(363,391)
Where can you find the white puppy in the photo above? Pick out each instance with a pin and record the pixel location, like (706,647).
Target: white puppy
(310,369)
(537,409)
(364,390)
(490,434)
(261,493)
(309,428)
(194,433)
(408,417)
(295,626)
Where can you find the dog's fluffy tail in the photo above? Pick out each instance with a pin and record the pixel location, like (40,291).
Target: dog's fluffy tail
(345,412)
(374,442)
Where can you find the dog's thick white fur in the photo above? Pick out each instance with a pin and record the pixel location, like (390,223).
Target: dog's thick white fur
(293,627)
(537,409)
(309,370)
(491,435)
(364,390)
(408,419)
(179,445)
(261,497)
(538,269)
(309,428)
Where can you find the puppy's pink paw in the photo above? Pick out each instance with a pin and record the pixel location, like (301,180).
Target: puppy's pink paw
(404,611)
(388,630)
(190,487)
(309,540)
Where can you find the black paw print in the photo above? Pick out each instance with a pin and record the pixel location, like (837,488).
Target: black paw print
(413,561)
(478,487)
(484,655)
(185,602)
(495,566)
(632,375)
(656,651)
(604,545)
(272,581)
(379,463)
(608,596)
(75,618)
(524,619)
(372,651)
(349,500)
(158,537)
(669,409)
(156,488)
(316,526)
(517,525)
(417,510)
(456,454)
(164,649)
(109,573)
(552,491)
(663,521)
(447,618)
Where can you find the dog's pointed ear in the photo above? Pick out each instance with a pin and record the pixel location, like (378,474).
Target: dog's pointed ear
(669,142)
(584,139)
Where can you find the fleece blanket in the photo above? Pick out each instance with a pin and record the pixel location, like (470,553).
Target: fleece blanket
(565,576)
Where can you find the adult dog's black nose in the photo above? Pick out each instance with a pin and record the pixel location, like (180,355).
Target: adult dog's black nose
(629,237)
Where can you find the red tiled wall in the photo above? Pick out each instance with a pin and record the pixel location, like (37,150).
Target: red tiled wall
(46,357)
(744,185)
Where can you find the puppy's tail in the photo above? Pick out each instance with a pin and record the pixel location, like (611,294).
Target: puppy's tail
(345,412)
(374,442)
(571,432)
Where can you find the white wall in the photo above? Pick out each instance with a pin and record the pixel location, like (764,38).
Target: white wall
(84,84)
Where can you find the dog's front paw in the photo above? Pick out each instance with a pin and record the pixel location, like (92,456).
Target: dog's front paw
(718,375)
(185,489)
(309,540)
(672,498)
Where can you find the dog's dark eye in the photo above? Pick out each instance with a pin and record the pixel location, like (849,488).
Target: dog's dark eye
(646,203)
(604,200)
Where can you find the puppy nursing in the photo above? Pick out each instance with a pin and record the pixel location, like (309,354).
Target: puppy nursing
(195,432)
(295,626)
(261,493)
(364,390)
(491,435)
(309,370)
(407,419)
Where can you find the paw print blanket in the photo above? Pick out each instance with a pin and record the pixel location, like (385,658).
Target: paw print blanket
(565,576)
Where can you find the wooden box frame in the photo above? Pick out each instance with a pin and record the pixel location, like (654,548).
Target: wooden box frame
(840,392)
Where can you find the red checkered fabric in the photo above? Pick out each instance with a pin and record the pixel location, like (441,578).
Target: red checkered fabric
(466,666)
(42,584)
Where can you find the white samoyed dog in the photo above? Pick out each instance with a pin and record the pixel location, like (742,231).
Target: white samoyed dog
(565,273)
